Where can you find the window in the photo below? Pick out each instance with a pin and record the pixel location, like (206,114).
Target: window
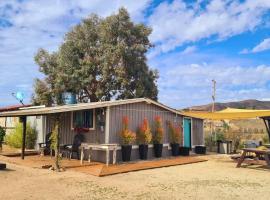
(83,119)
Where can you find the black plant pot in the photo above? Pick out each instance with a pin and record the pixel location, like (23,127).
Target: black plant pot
(175,149)
(143,151)
(200,149)
(184,151)
(126,152)
(158,150)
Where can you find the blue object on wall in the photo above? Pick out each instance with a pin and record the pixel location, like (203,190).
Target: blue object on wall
(69,98)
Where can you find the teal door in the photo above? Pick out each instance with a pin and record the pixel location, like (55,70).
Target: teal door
(187,132)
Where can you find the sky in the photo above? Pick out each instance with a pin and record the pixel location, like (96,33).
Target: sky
(195,41)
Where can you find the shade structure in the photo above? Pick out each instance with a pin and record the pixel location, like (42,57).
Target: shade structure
(229,113)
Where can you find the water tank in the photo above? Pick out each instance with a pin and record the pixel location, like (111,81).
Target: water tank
(69,98)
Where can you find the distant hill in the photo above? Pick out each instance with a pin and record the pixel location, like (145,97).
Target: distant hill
(246,104)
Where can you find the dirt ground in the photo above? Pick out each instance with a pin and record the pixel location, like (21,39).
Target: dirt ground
(215,179)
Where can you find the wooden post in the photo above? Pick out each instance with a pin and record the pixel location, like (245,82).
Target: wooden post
(23,121)
(107,125)
(267,125)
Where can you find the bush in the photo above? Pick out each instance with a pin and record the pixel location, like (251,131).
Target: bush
(2,134)
(126,135)
(144,135)
(158,131)
(174,133)
(14,139)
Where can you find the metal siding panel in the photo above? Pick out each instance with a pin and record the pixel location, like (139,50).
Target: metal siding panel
(136,113)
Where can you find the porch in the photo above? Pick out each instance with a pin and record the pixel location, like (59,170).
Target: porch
(100,169)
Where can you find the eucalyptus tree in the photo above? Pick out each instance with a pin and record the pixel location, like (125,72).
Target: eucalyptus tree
(99,59)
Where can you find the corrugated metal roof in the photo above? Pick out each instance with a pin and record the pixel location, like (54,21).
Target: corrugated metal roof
(13,107)
(80,106)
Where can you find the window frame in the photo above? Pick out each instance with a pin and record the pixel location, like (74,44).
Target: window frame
(94,118)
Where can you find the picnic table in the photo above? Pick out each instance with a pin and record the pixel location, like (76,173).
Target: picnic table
(102,147)
(265,153)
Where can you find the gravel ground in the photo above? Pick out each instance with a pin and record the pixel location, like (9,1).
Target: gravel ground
(215,179)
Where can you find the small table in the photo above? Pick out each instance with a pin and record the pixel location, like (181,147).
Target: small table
(265,153)
(102,147)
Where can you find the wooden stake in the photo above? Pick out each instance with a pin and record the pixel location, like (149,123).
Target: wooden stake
(23,120)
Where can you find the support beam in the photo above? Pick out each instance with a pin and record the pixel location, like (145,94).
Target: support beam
(23,120)
(267,125)
(107,125)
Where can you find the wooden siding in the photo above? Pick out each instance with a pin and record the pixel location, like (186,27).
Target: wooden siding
(136,112)
(197,132)
(67,134)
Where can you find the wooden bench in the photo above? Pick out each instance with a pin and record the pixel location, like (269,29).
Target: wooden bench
(265,153)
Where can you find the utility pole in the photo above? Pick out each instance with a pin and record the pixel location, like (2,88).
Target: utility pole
(214,94)
(213,105)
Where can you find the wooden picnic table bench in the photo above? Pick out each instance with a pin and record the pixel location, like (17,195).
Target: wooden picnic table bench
(103,147)
(265,153)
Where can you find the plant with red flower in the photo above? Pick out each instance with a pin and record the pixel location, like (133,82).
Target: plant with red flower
(127,136)
(158,131)
(144,135)
(174,133)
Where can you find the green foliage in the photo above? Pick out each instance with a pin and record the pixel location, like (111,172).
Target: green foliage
(2,134)
(54,138)
(55,144)
(100,58)
(14,139)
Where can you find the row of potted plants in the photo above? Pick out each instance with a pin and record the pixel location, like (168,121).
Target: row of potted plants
(145,136)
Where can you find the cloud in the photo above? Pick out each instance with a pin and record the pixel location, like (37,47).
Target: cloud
(263,46)
(178,22)
(185,82)
(28,25)
(189,50)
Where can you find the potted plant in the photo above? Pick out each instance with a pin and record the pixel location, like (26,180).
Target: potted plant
(127,138)
(158,137)
(174,133)
(183,150)
(144,137)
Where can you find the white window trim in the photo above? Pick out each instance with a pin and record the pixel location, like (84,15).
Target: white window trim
(94,120)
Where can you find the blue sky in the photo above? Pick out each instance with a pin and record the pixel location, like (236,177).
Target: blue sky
(195,42)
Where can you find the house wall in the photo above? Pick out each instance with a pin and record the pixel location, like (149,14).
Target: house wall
(37,122)
(197,132)
(136,113)
(8,123)
(67,134)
